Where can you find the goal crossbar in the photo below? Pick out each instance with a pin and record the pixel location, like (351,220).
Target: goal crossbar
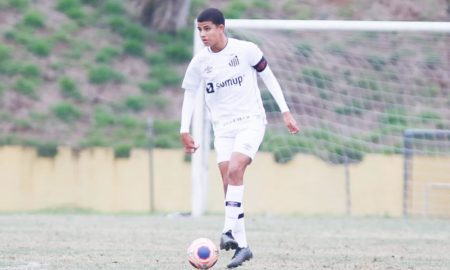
(335,25)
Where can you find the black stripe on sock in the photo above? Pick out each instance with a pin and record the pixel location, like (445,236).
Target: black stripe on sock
(232,204)
(241,215)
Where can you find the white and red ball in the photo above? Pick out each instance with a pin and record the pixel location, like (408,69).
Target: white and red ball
(202,253)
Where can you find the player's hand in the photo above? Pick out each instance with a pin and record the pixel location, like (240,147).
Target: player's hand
(290,122)
(188,142)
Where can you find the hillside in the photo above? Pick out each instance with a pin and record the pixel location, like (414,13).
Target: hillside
(86,73)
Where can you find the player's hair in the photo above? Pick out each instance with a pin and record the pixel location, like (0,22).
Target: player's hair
(213,15)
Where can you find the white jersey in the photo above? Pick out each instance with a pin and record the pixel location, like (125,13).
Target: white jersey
(231,86)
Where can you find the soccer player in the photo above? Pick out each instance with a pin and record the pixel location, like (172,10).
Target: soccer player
(228,69)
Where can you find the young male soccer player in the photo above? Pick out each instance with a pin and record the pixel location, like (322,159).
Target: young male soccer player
(228,69)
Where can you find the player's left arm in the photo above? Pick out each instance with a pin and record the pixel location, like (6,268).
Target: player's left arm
(272,84)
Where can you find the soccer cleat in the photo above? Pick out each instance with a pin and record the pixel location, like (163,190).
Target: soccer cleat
(241,255)
(227,241)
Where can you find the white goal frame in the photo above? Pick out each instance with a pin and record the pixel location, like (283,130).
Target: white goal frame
(200,125)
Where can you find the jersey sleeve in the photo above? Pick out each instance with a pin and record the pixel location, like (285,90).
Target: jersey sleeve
(192,77)
(254,54)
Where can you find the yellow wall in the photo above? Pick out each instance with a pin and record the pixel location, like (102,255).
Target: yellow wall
(94,179)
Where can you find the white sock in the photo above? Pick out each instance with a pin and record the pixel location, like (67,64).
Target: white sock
(239,231)
(233,203)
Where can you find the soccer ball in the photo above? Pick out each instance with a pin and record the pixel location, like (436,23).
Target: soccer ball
(202,253)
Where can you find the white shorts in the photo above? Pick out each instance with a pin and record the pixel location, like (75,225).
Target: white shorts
(244,137)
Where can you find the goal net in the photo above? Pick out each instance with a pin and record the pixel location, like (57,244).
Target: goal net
(354,88)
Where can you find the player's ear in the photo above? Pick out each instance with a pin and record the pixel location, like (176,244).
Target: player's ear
(221,27)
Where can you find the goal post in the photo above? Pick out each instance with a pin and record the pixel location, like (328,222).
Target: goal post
(417,187)
(347,85)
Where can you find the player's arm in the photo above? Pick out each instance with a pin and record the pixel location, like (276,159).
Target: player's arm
(186,115)
(272,84)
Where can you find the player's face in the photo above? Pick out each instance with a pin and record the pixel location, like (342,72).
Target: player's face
(210,33)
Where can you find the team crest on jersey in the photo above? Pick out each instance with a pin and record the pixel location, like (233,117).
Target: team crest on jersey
(234,61)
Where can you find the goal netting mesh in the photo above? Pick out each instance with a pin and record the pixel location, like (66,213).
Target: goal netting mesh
(355,93)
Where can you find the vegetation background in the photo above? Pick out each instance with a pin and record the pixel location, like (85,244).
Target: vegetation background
(90,73)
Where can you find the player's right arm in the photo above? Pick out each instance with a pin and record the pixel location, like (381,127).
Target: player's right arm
(186,115)
(191,84)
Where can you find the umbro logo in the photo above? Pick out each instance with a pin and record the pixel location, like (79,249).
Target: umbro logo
(234,61)
(208,69)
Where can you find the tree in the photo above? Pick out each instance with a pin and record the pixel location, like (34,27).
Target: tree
(165,15)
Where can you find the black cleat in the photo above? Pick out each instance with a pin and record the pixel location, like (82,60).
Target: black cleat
(227,241)
(241,255)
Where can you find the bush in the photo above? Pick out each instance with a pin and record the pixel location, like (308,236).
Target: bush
(166,75)
(34,19)
(67,112)
(103,118)
(19,4)
(104,74)
(127,29)
(158,101)
(112,7)
(30,71)
(177,52)
(72,8)
(5,53)
(122,151)
(39,46)
(26,87)
(48,149)
(304,49)
(69,89)
(134,47)
(316,78)
(106,55)
(150,87)
(135,103)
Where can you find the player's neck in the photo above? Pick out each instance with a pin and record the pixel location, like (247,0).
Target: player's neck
(220,45)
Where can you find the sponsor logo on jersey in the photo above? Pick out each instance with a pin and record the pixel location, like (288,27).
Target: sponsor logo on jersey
(211,88)
(234,62)
(230,82)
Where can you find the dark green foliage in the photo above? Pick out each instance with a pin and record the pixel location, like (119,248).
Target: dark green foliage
(34,19)
(135,103)
(72,8)
(18,4)
(177,51)
(316,78)
(166,134)
(150,87)
(106,55)
(377,62)
(67,112)
(126,28)
(112,7)
(122,151)
(104,74)
(134,47)
(39,46)
(235,9)
(304,49)
(103,117)
(270,105)
(49,149)
(26,87)
(5,52)
(69,89)
(166,75)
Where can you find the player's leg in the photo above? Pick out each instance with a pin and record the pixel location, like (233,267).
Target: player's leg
(233,172)
(246,145)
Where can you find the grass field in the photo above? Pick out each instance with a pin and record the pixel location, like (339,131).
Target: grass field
(85,241)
